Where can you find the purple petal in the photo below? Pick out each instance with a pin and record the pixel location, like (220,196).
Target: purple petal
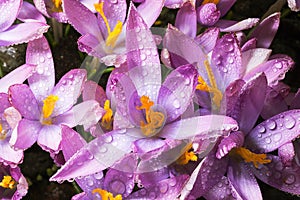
(274,132)
(22,98)
(29,12)
(142,56)
(286,153)
(208,14)
(225,5)
(226,56)
(235,139)
(42,81)
(207,174)
(4,103)
(186,19)
(268,25)
(250,44)
(150,17)
(279,176)
(26,134)
(68,89)
(8,13)
(50,137)
(239,26)
(8,155)
(177,91)
(92,90)
(17,76)
(41,7)
(207,40)
(294,5)
(90,44)
(88,24)
(173,4)
(243,180)
(97,155)
(209,126)
(148,178)
(165,189)
(12,117)
(23,33)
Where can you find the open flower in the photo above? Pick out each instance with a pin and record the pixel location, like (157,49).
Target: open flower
(33,26)
(13,184)
(158,136)
(43,106)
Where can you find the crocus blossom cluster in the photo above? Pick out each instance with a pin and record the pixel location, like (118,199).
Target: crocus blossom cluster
(198,109)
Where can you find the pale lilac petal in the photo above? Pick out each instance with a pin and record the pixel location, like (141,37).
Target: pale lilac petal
(286,153)
(12,117)
(253,58)
(277,175)
(209,126)
(8,13)
(142,56)
(207,174)
(22,33)
(294,5)
(177,91)
(91,45)
(8,155)
(186,19)
(42,81)
(25,134)
(22,98)
(274,69)
(4,103)
(208,14)
(222,190)
(235,139)
(68,89)
(41,7)
(250,44)
(243,180)
(87,113)
(227,58)
(173,4)
(147,148)
(207,40)
(150,17)
(268,25)
(29,12)
(225,5)
(50,137)
(22,186)
(97,155)
(88,24)
(165,189)
(241,25)
(91,90)
(269,135)
(17,76)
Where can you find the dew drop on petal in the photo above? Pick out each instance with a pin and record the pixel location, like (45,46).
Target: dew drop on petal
(261,129)
(108,139)
(176,104)
(163,188)
(289,179)
(268,140)
(289,122)
(271,124)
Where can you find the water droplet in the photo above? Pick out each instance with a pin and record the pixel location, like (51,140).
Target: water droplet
(108,139)
(40,70)
(261,129)
(289,122)
(228,47)
(268,140)
(278,65)
(277,137)
(98,175)
(224,69)
(143,56)
(117,186)
(176,103)
(102,149)
(271,124)
(289,179)
(152,195)
(90,182)
(172,182)
(268,173)
(187,81)
(163,187)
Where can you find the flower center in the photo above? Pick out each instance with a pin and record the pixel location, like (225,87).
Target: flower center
(249,156)
(187,156)
(57,6)
(213,89)
(107,118)
(154,119)
(8,182)
(112,35)
(48,107)
(2,132)
(106,195)
(210,1)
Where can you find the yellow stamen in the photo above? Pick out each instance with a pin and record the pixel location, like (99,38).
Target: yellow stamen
(154,119)
(210,1)
(57,5)
(8,182)
(106,195)
(112,35)
(249,156)
(203,86)
(49,104)
(2,133)
(107,118)
(187,156)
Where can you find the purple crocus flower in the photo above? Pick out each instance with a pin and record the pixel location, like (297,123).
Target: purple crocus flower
(158,135)
(45,106)
(33,26)
(13,184)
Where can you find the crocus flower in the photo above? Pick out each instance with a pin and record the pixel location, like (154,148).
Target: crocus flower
(154,109)
(294,5)
(45,106)
(33,26)
(13,184)
(103,35)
